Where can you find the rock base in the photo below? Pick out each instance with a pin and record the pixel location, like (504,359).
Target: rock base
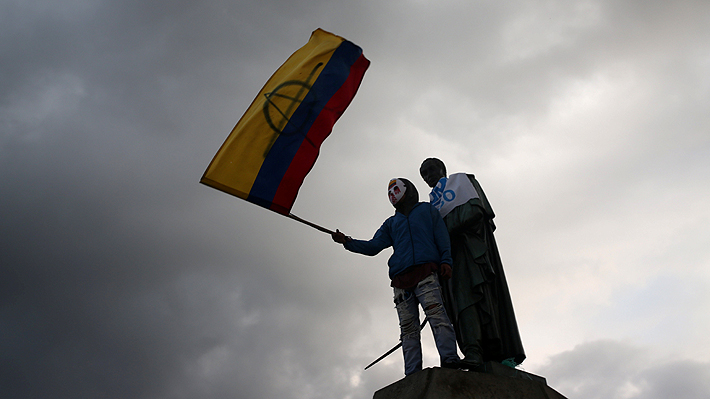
(494,381)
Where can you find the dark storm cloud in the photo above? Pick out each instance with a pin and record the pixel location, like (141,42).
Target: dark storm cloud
(121,276)
(106,288)
(116,280)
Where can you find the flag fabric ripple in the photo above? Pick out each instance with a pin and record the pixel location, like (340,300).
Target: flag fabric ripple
(268,154)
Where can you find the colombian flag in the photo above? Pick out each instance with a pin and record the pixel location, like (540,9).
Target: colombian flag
(276,142)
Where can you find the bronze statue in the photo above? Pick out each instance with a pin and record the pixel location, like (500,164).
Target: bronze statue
(477,296)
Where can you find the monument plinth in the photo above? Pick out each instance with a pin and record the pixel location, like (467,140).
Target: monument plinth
(494,382)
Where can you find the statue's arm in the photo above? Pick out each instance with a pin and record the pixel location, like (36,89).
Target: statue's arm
(464,218)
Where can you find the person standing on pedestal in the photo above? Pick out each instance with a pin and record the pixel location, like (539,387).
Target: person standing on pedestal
(421,254)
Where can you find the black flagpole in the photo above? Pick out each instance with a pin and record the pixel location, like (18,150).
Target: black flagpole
(315,226)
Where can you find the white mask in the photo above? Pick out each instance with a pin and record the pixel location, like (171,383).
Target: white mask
(396,190)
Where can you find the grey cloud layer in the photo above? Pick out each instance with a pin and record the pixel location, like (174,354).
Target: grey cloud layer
(121,276)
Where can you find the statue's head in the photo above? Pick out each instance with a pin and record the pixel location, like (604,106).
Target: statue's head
(432,170)
(402,194)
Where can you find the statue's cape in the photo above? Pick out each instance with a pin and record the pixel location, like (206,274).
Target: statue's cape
(479,280)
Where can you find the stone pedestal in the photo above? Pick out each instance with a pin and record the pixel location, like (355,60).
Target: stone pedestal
(495,381)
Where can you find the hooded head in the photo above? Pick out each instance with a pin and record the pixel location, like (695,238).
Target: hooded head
(402,194)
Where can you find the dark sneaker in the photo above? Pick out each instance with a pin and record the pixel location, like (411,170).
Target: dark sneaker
(456,365)
(471,364)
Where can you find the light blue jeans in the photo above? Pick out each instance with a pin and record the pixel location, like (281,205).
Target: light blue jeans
(428,294)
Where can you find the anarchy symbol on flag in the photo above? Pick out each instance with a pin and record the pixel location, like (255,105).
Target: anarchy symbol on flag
(281,102)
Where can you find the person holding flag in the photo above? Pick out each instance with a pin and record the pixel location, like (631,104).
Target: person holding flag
(421,254)
(477,297)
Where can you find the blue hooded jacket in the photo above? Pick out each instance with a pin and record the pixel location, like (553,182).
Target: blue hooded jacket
(421,237)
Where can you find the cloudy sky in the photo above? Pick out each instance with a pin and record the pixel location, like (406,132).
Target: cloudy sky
(121,276)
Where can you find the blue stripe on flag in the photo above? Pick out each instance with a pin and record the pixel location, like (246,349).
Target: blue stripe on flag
(279,158)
